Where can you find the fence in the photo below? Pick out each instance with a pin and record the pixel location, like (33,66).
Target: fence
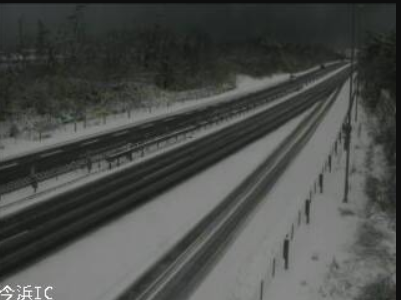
(280,258)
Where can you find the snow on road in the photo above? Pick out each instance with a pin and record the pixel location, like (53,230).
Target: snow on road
(244,86)
(22,198)
(332,259)
(91,266)
(325,245)
(238,273)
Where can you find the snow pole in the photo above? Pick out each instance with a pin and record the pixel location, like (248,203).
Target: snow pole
(336,147)
(307,210)
(321,178)
(286,252)
(274,268)
(347,147)
(262,285)
(330,163)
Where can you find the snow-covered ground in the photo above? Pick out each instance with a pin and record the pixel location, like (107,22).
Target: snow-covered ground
(239,273)
(329,259)
(245,85)
(325,257)
(19,199)
(89,267)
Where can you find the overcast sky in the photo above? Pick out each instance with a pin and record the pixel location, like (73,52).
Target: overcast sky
(322,23)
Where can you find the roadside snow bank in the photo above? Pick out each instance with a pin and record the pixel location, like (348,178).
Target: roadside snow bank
(346,253)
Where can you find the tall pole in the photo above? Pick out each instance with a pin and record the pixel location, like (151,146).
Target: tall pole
(348,127)
(359,43)
(2,41)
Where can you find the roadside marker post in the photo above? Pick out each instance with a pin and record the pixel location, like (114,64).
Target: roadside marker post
(286,252)
(307,210)
(330,163)
(321,179)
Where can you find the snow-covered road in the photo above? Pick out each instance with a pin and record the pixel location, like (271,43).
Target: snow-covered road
(91,266)
(94,264)
(238,274)
(245,85)
(22,198)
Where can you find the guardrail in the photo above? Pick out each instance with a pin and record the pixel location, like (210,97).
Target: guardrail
(183,266)
(279,259)
(213,118)
(130,151)
(55,221)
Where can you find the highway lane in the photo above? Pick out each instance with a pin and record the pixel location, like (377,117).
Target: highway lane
(178,272)
(13,169)
(43,226)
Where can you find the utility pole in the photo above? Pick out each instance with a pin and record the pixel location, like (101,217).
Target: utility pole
(348,127)
(357,28)
(2,34)
(357,45)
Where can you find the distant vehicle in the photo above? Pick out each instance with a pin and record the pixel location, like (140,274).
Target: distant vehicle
(292,77)
(322,66)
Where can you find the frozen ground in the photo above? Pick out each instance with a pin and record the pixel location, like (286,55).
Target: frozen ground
(244,85)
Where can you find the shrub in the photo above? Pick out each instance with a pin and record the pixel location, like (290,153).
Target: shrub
(381,289)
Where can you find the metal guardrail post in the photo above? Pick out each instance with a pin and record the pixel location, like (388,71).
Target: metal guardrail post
(286,252)
(307,210)
(321,182)
(274,268)
(336,147)
(330,163)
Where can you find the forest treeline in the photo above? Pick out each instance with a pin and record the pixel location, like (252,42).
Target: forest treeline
(73,69)
(378,69)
